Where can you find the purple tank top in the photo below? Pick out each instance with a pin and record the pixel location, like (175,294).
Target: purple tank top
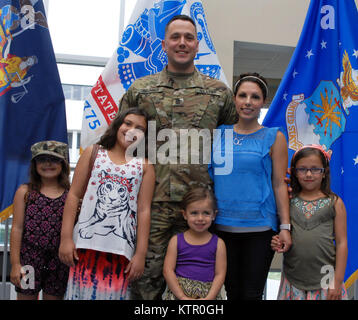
(196,262)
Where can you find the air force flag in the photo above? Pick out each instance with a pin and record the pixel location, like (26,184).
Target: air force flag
(317,101)
(140,53)
(32,104)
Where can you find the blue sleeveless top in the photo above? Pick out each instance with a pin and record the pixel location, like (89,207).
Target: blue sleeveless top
(243,190)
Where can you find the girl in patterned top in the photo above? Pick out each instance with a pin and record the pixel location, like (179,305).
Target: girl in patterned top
(314,267)
(36,226)
(106,248)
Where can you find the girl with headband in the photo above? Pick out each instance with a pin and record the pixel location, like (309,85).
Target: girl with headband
(313,269)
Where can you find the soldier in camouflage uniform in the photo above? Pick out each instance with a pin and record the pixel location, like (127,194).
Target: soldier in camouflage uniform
(179,97)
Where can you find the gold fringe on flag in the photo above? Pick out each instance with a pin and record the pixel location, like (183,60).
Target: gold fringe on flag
(5,214)
(353,278)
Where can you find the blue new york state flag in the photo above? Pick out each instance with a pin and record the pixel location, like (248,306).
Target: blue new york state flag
(140,53)
(317,102)
(32,104)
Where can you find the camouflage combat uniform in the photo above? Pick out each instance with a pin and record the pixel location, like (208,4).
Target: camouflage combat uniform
(176,102)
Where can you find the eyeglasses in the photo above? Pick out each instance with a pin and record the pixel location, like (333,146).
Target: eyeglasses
(314,171)
(45,158)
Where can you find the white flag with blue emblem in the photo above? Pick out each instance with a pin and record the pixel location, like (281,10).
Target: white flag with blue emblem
(139,54)
(317,102)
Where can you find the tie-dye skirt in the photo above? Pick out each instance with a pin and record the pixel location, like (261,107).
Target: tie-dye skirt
(98,276)
(288,292)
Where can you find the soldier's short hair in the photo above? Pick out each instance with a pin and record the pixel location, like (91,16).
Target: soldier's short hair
(180,17)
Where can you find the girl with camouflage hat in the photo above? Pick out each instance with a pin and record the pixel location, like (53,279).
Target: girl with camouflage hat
(36,226)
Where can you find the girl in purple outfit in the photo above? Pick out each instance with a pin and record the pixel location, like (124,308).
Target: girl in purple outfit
(195,262)
(36,226)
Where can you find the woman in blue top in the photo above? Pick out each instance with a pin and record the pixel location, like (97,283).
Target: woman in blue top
(250,189)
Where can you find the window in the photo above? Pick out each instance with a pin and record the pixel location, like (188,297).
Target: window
(84,27)
(268,60)
(3,231)
(78,140)
(69,138)
(76,92)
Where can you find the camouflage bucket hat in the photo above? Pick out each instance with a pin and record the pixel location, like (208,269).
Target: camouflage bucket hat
(54,148)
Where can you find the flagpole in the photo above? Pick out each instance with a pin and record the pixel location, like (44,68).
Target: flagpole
(121,19)
(45,2)
(4,261)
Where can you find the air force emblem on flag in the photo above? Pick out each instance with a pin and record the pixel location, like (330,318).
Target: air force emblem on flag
(143,38)
(323,114)
(323,110)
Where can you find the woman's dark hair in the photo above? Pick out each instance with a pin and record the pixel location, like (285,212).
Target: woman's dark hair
(252,77)
(197,194)
(326,180)
(109,138)
(35,179)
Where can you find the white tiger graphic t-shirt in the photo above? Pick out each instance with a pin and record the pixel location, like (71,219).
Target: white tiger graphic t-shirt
(108,218)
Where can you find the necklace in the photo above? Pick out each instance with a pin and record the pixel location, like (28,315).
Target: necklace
(238,141)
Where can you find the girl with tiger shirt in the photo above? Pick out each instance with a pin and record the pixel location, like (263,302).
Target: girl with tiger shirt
(107,246)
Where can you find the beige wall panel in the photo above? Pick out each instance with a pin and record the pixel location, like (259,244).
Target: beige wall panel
(277,22)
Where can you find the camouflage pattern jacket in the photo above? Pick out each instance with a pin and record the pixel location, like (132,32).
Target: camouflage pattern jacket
(189,107)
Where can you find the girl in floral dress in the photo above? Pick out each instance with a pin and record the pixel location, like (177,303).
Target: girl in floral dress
(36,225)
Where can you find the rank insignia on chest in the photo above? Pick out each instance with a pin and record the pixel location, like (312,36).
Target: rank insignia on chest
(178,102)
